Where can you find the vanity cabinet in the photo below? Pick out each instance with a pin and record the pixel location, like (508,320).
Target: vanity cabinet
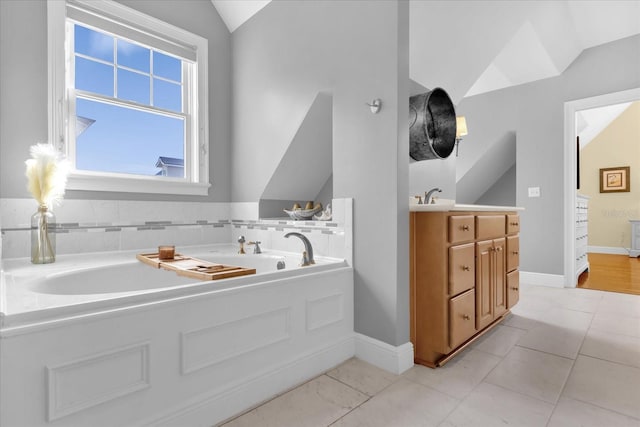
(464,278)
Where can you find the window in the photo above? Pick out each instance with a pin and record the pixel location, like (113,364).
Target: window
(128,99)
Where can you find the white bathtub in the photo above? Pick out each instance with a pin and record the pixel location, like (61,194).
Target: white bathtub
(132,275)
(106,340)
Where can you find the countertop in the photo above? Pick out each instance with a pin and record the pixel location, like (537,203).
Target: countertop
(455,207)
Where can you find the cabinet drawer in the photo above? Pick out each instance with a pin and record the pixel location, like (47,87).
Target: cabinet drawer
(513,288)
(462,272)
(489,226)
(461,318)
(461,228)
(513,224)
(513,252)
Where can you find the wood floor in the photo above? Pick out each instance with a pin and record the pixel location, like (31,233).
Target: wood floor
(615,273)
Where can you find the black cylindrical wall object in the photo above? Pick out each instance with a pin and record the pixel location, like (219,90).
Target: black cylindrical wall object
(432,125)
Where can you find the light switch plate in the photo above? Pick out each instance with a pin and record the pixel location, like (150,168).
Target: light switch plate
(534,191)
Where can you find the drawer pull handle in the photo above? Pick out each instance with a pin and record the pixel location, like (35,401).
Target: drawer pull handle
(515,224)
(515,252)
(465,228)
(515,288)
(466,268)
(466,317)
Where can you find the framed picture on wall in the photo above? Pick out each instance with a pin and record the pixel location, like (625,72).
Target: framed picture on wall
(615,180)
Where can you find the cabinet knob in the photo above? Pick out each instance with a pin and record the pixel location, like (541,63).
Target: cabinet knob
(466,268)
(514,224)
(466,317)
(515,288)
(465,228)
(515,252)
(499,249)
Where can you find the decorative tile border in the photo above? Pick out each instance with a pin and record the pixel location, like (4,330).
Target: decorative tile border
(307,227)
(99,225)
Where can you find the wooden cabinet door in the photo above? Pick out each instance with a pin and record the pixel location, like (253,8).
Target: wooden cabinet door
(484,292)
(461,228)
(499,276)
(513,224)
(513,252)
(513,288)
(461,318)
(461,268)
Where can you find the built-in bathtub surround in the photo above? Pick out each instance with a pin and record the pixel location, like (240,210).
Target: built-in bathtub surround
(102,339)
(107,225)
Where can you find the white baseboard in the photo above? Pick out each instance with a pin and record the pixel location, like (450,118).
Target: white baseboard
(383,355)
(246,393)
(542,279)
(607,250)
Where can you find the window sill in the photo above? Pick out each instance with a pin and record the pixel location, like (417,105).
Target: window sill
(135,184)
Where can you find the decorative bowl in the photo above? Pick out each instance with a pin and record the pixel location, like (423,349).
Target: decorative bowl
(303,214)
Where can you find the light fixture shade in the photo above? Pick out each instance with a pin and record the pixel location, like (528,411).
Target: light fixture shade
(461,126)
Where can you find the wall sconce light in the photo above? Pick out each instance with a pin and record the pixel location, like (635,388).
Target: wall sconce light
(375,105)
(461,130)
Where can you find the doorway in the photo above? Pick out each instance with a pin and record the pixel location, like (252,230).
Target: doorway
(570,172)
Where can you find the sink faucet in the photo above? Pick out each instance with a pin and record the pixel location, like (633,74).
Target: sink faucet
(307,255)
(428,198)
(241,241)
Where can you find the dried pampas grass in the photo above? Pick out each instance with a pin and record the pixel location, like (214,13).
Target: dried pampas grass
(47,173)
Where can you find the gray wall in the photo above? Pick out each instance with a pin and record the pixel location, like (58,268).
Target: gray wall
(23,90)
(535,111)
(358,51)
(502,192)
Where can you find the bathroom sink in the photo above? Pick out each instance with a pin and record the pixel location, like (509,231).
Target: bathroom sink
(439,205)
(445,205)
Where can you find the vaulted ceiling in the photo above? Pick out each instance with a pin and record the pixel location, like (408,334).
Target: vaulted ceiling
(476,46)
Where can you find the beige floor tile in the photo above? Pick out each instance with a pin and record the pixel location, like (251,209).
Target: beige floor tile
(620,304)
(500,340)
(616,323)
(459,376)
(618,348)
(523,319)
(536,374)
(570,319)
(402,404)
(552,339)
(362,376)
(605,384)
(574,300)
(572,413)
(317,403)
(490,405)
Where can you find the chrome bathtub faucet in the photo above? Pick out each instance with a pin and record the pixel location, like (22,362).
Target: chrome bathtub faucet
(241,241)
(307,255)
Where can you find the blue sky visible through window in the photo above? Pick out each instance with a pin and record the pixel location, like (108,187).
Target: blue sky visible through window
(113,138)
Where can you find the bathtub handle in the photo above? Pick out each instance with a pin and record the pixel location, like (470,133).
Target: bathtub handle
(256,248)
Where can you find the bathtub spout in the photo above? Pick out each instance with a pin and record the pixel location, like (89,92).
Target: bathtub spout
(307,255)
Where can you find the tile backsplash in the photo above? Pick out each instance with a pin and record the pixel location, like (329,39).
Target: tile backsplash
(111,225)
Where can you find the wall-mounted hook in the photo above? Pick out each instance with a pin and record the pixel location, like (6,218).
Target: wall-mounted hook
(375,105)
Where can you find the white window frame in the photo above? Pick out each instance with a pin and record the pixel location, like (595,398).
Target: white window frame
(153,31)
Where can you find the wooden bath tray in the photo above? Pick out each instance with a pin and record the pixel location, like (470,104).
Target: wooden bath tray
(195,268)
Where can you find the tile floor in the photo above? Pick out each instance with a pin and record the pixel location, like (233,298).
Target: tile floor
(564,357)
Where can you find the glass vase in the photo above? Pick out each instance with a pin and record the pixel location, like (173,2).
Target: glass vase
(43,236)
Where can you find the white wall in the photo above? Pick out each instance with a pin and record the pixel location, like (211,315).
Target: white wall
(535,111)
(357,51)
(23,85)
